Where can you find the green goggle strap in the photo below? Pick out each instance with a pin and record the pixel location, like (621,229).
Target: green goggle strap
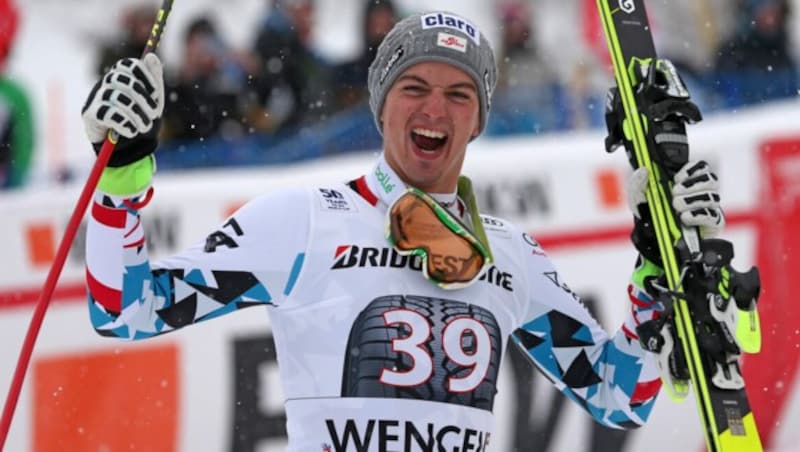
(465,193)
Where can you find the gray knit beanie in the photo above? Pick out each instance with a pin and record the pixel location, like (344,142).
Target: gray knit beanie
(432,36)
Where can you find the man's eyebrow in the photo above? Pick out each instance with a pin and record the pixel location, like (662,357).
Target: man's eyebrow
(420,80)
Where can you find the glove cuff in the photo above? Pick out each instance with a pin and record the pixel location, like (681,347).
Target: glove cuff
(130,150)
(129,180)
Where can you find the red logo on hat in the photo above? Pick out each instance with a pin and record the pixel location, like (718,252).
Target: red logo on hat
(452,42)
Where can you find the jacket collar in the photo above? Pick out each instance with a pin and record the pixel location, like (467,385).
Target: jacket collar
(386,186)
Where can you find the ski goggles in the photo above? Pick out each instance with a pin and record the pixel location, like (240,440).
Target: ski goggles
(452,256)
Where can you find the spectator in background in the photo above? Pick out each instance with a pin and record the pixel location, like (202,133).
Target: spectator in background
(754,65)
(351,77)
(137,22)
(520,64)
(688,33)
(292,85)
(203,96)
(16,117)
(528,94)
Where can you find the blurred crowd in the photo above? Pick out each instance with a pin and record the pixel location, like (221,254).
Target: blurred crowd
(277,99)
(277,85)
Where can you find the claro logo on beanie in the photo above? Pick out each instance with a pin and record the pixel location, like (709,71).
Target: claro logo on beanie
(398,53)
(434,20)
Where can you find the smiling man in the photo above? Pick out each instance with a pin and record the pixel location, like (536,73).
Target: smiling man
(421,140)
(391,305)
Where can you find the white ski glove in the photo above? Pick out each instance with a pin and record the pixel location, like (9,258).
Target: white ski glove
(129,99)
(695,197)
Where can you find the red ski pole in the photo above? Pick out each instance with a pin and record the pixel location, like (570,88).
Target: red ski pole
(63,248)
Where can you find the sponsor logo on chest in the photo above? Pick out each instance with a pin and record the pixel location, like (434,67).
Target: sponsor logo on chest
(352,256)
(331,199)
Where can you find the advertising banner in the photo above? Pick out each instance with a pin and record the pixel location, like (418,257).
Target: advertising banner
(216,386)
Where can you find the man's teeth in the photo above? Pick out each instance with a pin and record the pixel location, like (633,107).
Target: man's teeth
(430,133)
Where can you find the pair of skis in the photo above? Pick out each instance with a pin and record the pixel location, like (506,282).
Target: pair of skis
(710,315)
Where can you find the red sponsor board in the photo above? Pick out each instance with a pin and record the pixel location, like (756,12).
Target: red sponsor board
(125,399)
(771,373)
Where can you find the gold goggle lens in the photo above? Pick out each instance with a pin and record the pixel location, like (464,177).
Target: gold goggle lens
(422,227)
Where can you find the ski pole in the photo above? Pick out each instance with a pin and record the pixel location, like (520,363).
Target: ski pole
(66,242)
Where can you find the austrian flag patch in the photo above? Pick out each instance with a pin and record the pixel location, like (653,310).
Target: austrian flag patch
(452,42)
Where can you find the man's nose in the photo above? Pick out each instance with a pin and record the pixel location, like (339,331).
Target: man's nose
(435,105)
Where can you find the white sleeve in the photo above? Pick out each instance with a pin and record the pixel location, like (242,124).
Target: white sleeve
(252,258)
(612,378)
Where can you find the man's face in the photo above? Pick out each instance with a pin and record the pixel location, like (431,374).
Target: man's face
(430,114)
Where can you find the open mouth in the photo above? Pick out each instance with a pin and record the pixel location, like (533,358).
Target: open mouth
(428,140)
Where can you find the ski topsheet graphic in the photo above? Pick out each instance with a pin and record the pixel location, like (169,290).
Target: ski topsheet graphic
(710,315)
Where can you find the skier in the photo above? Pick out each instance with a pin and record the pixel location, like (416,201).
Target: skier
(391,298)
